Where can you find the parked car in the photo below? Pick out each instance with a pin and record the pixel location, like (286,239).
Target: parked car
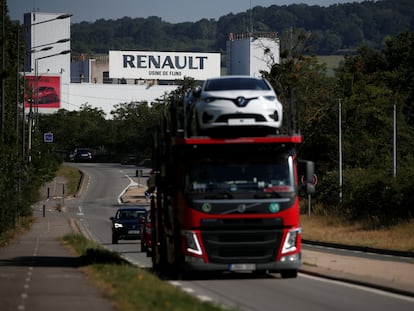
(146,235)
(81,155)
(237,101)
(126,224)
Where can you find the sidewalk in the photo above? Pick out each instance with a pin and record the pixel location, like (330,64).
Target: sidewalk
(37,273)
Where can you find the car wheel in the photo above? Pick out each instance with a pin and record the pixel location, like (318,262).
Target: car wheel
(114,239)
(143,248)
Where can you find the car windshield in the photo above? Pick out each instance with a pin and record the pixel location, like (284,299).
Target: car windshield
(130,214)
(236,84)
(241,177)
(82,151)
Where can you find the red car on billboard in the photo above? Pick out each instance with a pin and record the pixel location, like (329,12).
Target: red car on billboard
(46,89)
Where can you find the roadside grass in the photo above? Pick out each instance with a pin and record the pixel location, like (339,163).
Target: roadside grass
(332,229)
(22,225)
(73,176)
(129,287)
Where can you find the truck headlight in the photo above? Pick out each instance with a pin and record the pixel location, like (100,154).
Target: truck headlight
(291,241)
(193,246)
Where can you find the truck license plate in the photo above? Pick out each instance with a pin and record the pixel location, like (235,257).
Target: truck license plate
(242,267)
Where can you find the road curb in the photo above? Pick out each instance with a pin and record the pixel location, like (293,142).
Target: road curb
(335,276)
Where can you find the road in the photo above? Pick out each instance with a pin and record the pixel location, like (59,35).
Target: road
(100,199)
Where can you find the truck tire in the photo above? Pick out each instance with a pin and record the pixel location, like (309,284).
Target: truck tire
(289,274)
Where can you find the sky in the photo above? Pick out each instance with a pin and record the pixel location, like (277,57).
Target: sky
(173,11)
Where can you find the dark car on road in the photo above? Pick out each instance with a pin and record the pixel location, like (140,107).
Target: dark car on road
(81,155)
(126,224)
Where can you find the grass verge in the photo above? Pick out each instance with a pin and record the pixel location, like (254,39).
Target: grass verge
(129,287)
(22,225)
(332,229)
(73,176)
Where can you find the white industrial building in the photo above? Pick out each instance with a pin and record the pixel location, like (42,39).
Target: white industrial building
(251,53)
(88,81)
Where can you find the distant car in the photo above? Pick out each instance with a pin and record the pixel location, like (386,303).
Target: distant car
(237,101)
(146,234)
(126,224)
(81,155)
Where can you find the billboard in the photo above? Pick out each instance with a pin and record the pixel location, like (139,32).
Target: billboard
(163,65)
(42,92)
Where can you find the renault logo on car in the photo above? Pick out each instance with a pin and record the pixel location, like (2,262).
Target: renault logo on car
(241,101)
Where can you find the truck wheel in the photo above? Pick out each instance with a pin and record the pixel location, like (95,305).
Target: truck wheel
(289,274)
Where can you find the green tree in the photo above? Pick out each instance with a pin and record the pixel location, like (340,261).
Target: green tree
(306,93)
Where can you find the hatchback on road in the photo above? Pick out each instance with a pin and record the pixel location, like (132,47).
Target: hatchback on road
(126,224)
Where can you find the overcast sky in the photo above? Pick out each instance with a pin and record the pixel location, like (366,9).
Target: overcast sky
(173,11)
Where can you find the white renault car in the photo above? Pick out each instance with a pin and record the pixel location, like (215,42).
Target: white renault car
(238,102)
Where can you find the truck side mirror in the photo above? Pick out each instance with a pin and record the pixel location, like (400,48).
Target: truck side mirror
(307,177)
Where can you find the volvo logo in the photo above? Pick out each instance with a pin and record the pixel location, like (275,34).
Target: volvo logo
(241,208)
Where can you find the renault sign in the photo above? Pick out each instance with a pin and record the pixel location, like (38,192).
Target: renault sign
(163,65)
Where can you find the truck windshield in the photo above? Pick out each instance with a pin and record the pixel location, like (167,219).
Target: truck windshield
(218,176)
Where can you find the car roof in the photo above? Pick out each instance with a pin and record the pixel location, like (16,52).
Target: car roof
(132,208)
(222,83)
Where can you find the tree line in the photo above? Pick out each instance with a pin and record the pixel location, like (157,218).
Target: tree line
(336,29)
(369,84)
(24,165)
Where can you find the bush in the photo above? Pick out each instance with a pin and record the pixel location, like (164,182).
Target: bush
(370,195)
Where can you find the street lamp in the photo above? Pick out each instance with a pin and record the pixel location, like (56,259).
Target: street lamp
(47,46)
(62,16)
(44,47)
(36,97)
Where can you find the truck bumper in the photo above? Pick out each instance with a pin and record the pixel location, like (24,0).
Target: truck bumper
(290,263)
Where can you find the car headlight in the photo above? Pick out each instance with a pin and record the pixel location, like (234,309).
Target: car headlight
(118,225)
(270,97)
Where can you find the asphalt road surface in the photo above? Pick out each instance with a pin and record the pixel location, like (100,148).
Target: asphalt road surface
(100,199)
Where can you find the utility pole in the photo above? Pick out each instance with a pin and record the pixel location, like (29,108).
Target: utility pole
(394,144)
(340,147)
(3,67)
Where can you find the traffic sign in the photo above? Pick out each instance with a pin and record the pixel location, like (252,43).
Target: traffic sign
(48,137)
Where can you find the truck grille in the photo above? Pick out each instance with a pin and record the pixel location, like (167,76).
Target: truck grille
(244,242)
